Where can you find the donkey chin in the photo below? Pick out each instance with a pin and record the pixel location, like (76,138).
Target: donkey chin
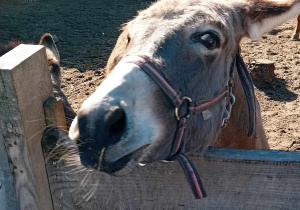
(115,129)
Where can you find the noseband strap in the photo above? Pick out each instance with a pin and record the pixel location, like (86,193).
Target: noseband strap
(184,107)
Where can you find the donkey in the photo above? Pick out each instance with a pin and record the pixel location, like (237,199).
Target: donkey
(181,55)
(54,67)
(295,36)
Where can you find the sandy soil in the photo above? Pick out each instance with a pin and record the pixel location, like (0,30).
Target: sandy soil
(88,36)
(280,104)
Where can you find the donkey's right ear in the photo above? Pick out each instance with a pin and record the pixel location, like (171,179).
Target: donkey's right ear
(51,49)
(264,15)
(119,51)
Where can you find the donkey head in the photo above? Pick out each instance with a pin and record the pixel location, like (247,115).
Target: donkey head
(129,119)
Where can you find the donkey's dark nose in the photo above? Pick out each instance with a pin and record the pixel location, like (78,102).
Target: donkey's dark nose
(97,130)
(115,121)
(105,126)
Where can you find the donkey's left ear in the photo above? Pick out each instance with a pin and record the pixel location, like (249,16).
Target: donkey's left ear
(264,15)
(51,49)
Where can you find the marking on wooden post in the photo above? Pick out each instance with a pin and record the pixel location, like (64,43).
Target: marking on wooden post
(25,84)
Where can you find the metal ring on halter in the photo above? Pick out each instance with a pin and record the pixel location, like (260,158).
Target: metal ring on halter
(188,111)
(232,97)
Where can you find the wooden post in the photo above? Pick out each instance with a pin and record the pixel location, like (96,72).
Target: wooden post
(263,71)
(25,84)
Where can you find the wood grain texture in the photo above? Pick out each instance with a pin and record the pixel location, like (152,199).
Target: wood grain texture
(8,198)
(24,85)
(231,183)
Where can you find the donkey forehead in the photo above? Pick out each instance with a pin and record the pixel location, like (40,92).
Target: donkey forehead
(167,16)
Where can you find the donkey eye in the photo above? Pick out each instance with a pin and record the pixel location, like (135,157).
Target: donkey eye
(209,39)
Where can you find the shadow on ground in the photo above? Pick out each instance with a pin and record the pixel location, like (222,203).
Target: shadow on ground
(275,31)
(277,90)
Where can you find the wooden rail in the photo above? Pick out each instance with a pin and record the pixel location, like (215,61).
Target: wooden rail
(234,179)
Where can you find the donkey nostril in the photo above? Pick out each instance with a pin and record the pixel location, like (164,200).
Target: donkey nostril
(116,124)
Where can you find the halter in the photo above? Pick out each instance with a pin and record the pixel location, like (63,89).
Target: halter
(185,107)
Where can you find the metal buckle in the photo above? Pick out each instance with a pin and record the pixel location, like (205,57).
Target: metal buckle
(232,101)
(188,111)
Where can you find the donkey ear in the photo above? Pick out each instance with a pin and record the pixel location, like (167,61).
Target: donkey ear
(119,50)
(51,49)
(264,15)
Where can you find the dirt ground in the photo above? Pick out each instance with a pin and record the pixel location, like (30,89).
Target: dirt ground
(87,35)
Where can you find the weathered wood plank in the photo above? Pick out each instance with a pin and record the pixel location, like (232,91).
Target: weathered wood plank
(253,154)
(25,84)
(55,114)
(234,179)
(8,198)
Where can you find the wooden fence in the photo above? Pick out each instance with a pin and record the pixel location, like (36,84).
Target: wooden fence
(234,179)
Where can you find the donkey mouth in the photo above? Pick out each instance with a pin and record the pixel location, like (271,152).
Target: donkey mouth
(123,165)
(97,159)
(117,166)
